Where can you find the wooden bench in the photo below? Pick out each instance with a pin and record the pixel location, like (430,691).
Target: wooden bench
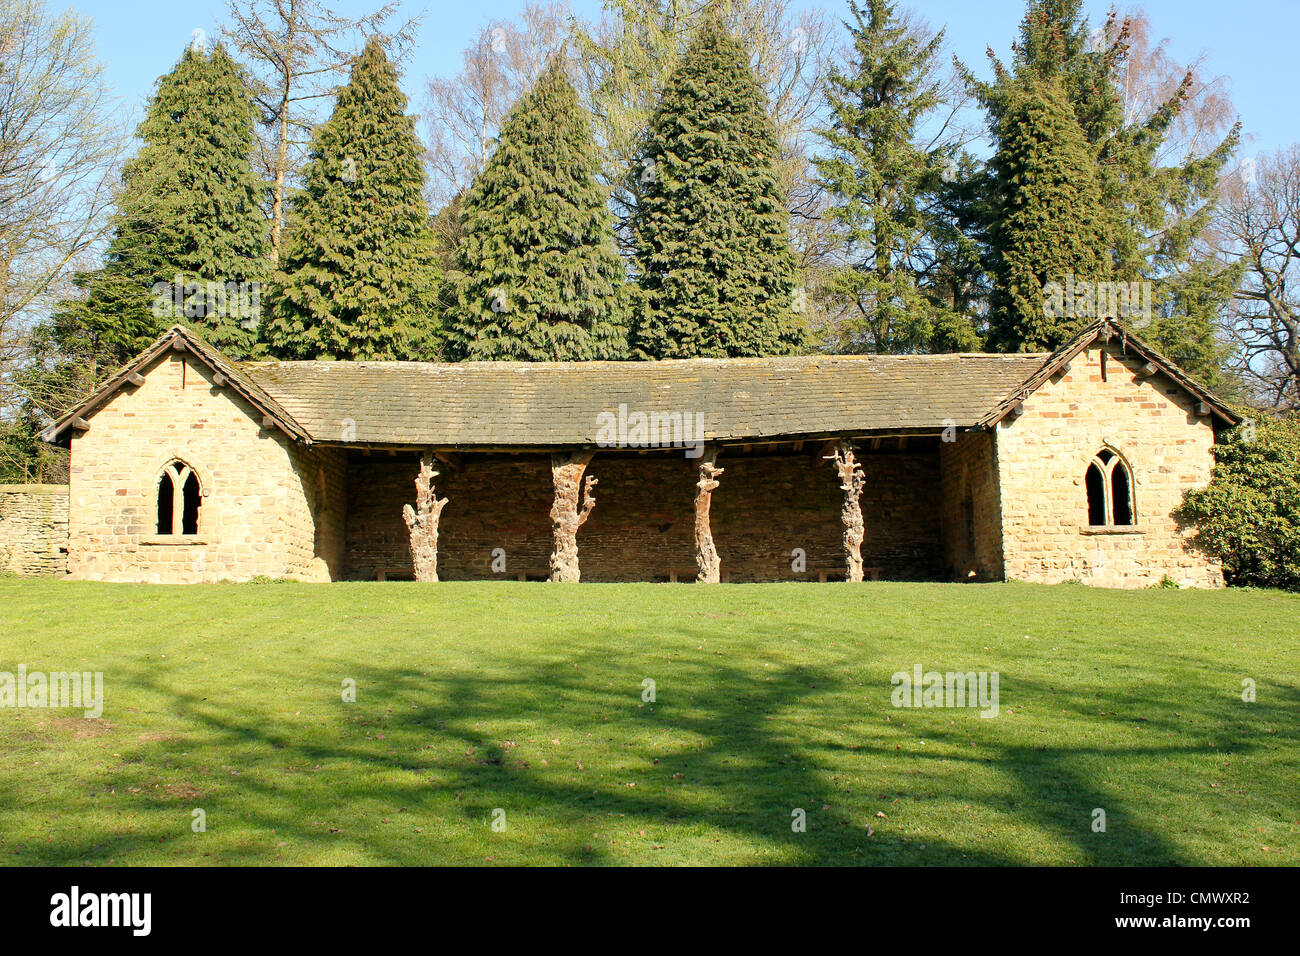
(690,574)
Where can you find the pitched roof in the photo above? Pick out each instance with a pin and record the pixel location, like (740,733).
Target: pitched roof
(559,403)
(178,339)
(548,404)
(1105,331)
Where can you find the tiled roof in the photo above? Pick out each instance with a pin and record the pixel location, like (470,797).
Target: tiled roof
(547,404)
(524,403)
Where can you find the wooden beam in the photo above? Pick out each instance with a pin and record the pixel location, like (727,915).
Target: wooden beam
(178,344)
(451,459)
(1149,369)
(1203,409)
(218,379)
(81,425)
(136,379)
(268,423)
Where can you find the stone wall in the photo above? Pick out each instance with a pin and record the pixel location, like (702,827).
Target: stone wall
(269,507)
(1044,454)
(971,508)
(642,526)
(1004,504)
(34,529)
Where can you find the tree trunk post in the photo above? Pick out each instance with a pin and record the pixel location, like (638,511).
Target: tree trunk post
(706,553)
(852,482)
(422,522)
(566,515)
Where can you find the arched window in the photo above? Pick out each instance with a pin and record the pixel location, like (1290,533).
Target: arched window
(1110,490)
(178,500)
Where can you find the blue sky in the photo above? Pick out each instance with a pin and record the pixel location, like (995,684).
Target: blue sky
(1251,43)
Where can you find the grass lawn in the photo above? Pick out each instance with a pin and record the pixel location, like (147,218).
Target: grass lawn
(527,698)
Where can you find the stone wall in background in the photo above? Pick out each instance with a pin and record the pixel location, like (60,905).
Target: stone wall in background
(34,529)
(642,529)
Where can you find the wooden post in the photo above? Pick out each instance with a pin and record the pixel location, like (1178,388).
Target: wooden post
(852,482)
(566,517)
(706,553)
(422,522)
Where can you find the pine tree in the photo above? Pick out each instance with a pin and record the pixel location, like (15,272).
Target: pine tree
(359,275)
(1049,223)
(540,278)
(711,229)
(189,236)
(876,175)
(1157,214)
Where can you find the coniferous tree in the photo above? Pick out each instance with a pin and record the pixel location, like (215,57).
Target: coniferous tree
(188,241)
(541,278)
(958,275)
(711,228)
(877,174)
(359,275)
(296,52)
(1157,214)
(1048,222)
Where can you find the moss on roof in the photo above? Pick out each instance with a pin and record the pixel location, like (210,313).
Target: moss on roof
(506,404)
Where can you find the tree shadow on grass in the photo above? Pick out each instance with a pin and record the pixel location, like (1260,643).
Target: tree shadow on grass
(589,773)
(425,745)
(1058,788)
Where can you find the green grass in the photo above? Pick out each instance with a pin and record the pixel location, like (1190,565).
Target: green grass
(528,698)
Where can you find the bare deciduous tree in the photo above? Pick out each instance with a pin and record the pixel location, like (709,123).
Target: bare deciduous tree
(1149,77)
(297,52)
(1259,225)
(60,142)
(463,113)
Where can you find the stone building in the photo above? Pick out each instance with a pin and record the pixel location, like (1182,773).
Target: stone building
(189,467)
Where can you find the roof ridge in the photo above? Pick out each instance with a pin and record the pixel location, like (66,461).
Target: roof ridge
(655,363)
